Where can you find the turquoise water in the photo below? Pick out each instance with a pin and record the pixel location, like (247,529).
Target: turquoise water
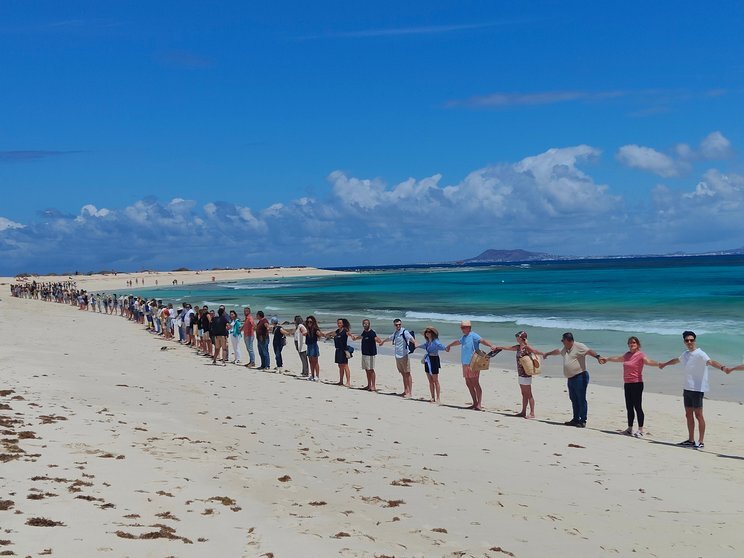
(602,302)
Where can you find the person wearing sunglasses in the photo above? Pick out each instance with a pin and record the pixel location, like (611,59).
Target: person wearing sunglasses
(695,362)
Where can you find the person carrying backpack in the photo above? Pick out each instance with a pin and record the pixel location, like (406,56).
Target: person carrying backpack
(402,340)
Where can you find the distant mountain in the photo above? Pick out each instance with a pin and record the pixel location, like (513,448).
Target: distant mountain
(518,255)
(509,256)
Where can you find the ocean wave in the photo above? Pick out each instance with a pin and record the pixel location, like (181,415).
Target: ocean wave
(658,327)
(256,286)
(457,318)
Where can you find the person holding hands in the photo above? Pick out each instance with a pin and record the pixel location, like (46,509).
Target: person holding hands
(695,362)
(577,376)
(525,380)
(633,362)
(469,343)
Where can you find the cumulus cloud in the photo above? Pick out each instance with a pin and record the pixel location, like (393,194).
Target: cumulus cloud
(547,202)
(707,214)
(90,210)
(715,146)
(648,159)
(6,224)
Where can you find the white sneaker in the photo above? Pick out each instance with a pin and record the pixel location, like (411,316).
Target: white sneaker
(638,434)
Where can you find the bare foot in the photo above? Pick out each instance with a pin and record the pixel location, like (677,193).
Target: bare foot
(522,414)
(531,416)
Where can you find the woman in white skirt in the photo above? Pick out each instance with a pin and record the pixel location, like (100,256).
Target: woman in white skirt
(525,380)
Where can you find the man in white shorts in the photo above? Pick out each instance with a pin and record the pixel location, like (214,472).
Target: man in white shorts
(369,351)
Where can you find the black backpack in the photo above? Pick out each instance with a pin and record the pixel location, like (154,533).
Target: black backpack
(411,344)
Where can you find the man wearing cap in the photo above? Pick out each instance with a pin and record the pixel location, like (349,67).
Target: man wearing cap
(574,369)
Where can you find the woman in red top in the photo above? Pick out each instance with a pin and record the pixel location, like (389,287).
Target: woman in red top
(633,362)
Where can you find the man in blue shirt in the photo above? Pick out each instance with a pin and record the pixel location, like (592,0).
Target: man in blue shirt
(469,342)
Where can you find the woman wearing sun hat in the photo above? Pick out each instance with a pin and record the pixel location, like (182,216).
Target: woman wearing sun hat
(525,380)
(432,345)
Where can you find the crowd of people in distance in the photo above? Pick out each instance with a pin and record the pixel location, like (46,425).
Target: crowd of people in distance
(226,337)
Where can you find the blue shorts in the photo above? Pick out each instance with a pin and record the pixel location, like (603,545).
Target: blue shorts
(313,350)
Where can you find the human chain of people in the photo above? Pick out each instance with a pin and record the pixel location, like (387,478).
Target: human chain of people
(225,336)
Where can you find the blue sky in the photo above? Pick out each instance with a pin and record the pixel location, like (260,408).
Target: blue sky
(157,135)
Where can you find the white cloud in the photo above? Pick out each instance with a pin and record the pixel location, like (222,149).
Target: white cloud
(704,218)
(6,224)
(684,151)
(90,210)
(715,146)
(548,202)
(727,189)
(503,99)
(648,159)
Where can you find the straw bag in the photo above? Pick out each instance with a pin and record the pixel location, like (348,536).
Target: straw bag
(530,364)
(479,361)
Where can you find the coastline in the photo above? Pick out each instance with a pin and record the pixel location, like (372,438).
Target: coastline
(147,279)
(160,442)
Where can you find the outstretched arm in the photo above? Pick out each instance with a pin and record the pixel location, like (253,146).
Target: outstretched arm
(729,369)
(454,343)
(595,354)
(663,365)
(551,353)
(511,348)
(716,364)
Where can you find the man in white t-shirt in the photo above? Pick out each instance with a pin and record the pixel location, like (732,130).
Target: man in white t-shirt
(696,364)
(401,337)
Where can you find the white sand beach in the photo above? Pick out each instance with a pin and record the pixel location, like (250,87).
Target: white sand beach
(114,447)
(118,282)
